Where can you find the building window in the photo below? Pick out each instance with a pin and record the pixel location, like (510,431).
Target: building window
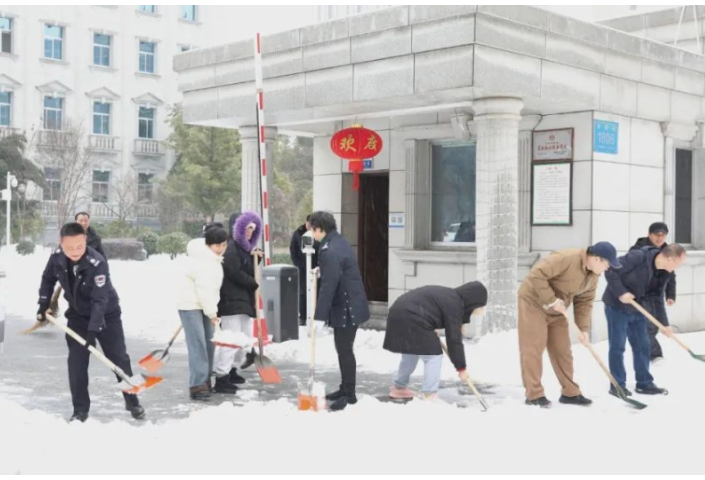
(188,12)
(5,109)
(684,196)
(53,113)
(53,180)
(101,184)
(101,118)
(53,42)
(146,122)
(145,188)
(147,8)
(147,50)
(5,35)
(453,192)
(101,49)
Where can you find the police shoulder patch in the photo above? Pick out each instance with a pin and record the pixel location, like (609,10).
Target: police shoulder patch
(99,280)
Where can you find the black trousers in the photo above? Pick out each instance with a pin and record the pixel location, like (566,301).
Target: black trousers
(344,339)
(656,307)
(112,342)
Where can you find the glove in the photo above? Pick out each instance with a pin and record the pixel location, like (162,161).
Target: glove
(42,312)
(90,339)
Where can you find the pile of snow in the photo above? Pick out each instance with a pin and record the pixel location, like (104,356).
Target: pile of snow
(370,437)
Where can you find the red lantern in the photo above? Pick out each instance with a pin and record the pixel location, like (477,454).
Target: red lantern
(356,144)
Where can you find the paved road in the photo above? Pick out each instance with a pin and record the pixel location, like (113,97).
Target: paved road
(33,373)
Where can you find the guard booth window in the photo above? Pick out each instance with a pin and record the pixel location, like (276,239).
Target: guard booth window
(684,196)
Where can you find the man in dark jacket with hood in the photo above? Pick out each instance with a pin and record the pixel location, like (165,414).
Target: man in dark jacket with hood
(411,330)
(645,272)
(94,240)
(342,302)
(298,257)
(658,232)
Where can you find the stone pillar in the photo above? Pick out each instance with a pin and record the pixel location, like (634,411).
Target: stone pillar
(497,225)
(251,195)
(524,199)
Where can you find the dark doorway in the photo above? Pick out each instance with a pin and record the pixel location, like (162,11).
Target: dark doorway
(373,241)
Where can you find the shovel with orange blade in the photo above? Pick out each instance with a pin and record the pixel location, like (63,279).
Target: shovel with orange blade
(308,398)
(156,360)
(134,384)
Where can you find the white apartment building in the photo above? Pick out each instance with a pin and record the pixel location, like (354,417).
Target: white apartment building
(109,70)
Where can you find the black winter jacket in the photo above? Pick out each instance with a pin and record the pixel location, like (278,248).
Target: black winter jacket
(671,286)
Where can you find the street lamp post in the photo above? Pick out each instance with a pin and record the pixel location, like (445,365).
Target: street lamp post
(7,196)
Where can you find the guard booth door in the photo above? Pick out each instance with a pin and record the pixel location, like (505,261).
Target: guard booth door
(373,241)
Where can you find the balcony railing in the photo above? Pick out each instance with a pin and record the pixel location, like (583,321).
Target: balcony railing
(101,211)
(104,143)
(148,147)
(56,139)
(7,131)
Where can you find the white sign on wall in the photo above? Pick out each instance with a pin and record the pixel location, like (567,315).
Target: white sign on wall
(552,193)
(396,220)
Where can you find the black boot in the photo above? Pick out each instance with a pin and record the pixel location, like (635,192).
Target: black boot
(341,398)
(576,400)
(613,391)
(79,416)
(335,395)
(132,405)
(651,389)
(542,402)
(249,360)
(137,412)
(235,379)
(223,385)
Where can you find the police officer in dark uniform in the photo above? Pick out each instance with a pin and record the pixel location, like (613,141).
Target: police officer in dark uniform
(93,313)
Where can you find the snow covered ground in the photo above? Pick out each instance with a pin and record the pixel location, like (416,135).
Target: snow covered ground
(371,437)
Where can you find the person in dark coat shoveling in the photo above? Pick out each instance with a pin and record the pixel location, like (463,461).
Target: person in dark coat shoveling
(342,302)
(411,330)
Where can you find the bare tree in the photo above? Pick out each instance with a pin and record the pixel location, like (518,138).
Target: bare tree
(65,150)
(125,195)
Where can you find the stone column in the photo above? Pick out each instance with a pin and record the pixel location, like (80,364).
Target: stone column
(497,225)
(251,195)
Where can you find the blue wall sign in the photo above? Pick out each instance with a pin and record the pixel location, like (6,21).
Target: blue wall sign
(367,164)
(605,137)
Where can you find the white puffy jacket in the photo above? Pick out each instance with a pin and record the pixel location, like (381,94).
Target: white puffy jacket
(199,289)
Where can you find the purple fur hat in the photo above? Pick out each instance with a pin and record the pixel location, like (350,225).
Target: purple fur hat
(240,229)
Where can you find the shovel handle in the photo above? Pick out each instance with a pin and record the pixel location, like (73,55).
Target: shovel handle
(260,346)
(171,341)
(602,365)
(114,368)
(653,320)
(468,382)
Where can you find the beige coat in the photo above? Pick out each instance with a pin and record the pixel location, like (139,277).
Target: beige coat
(563,275)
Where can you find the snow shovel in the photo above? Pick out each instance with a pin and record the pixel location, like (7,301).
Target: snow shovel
(662,329)
(307,399)
(53,309)
(134,384)
(156,360)
(265,367)
(618,389)
(469,383)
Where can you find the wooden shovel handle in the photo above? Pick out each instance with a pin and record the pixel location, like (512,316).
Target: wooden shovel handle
(653,320)
(468,382)
(117,370)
